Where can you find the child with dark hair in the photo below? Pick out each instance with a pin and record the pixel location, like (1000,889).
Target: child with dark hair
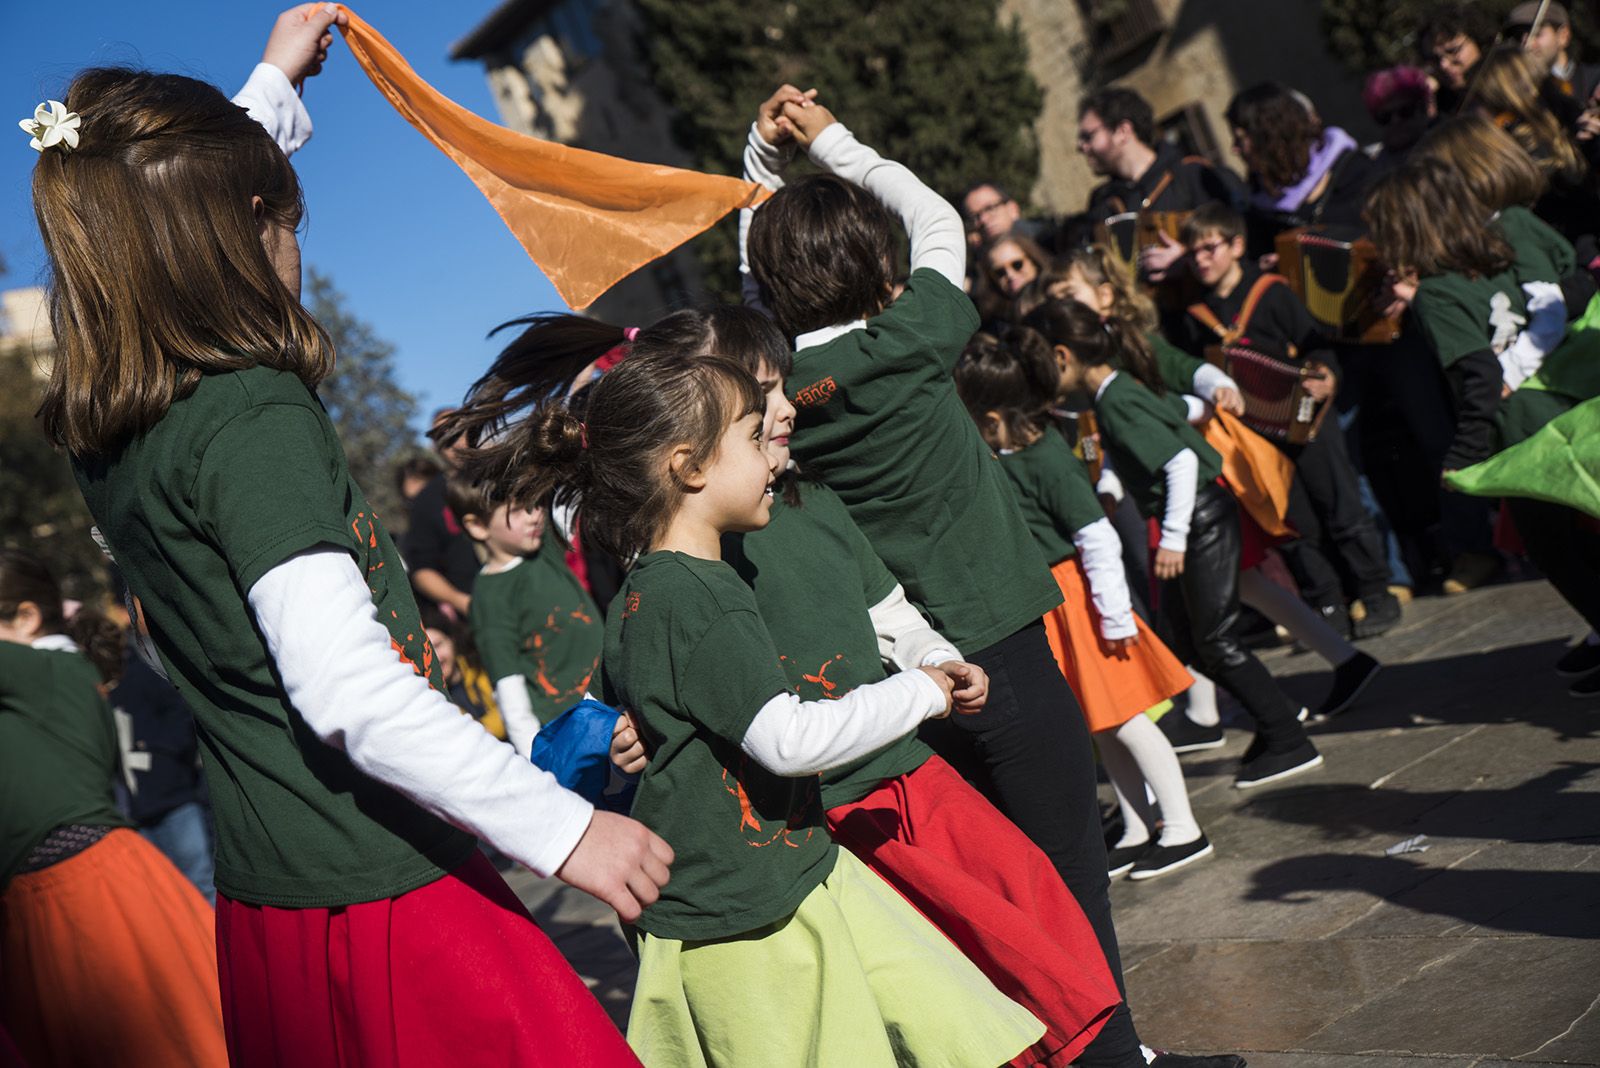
(107,955)
(1174,476)
(1243,303)
(667,461)
(538,631)
(1115,664)
(1451,40)
(880,423)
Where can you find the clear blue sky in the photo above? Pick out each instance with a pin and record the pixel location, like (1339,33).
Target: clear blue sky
(402,232)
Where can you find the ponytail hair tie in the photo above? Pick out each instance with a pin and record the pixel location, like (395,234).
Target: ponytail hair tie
(583,435)
(630,333)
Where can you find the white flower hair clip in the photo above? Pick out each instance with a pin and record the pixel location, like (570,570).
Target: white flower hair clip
(52,124)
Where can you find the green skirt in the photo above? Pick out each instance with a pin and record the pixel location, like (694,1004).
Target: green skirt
(855,976)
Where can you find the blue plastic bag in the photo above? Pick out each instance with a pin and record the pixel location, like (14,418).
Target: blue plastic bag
(575,747)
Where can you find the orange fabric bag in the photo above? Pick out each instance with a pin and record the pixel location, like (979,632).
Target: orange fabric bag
(587,219)
(1257,474)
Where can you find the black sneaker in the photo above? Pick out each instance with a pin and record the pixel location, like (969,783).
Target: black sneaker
(1383,612)
(1336,616)
(1162,859)
(1183,1060)
(1588,686)
(1119,859)
(1270,767)
(1349,679)
(1187,736)
(1579,660)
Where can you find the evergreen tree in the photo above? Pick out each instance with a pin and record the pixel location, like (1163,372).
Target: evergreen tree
(370,409)
(941,86)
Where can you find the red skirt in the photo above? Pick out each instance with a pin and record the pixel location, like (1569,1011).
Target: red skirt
(979,879)
(455,972)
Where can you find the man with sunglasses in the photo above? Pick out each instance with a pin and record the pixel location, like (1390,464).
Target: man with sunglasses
(1117,136)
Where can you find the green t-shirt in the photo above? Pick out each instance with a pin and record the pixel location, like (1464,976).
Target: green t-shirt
(1054,491)
(1176,367)
(1141,433)
(687,652)
(1459,314)
(816,579)
(242,474)
(58,750)
(1543,255)
(536,620)
(879,422)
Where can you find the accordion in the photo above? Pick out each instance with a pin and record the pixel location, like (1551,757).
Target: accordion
(1088,445)
(1276,404)
(1337,274)
(1125,235)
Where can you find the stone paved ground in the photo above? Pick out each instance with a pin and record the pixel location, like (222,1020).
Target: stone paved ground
(1301,943)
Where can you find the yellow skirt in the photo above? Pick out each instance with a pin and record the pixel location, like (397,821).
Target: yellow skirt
(855,976)
(1111,687)
(109,959)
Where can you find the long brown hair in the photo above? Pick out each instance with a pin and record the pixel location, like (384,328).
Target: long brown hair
(1506,87)
(1424,218)
(158,273)
(1282,133)
(1096,342)
(1496,169)
(26,579)
(1098,268)
(611,462)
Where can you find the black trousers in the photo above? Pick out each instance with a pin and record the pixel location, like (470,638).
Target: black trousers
(1568,554)
(1339,545)
(1202,619)
(1029,752)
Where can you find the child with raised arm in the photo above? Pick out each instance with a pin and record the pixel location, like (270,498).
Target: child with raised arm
(770,946)
(537,630)
(880,424)
(1174,477)
(354,914)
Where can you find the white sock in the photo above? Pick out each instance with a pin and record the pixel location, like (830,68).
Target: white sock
(1295,616)
(1123,770)
(1157,765)
(1203,701)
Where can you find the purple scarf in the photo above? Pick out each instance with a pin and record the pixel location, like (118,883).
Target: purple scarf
(1335,142)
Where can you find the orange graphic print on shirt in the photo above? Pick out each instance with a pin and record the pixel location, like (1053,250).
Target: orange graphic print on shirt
(546,677)
(793,832)
(415,650)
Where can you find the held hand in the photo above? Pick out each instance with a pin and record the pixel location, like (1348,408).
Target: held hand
(300,39)
(971,686)
(1168,564)
(1227,399)
(1446,473)
(808,121)
(946,686)
(1118,646)
(627,748)
(620,861)
(1320,386)
(1269,262)
(771,124)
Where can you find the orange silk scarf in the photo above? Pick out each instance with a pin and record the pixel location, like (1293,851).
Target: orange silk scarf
(588,220)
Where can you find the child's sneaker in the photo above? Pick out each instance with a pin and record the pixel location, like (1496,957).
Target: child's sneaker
(1270,767)
(1162,859)
(1579,660)
(1162,1059)
(1187,736)
(1121,859)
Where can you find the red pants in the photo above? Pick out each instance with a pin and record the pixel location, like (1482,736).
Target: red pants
(455,972)
(980,880)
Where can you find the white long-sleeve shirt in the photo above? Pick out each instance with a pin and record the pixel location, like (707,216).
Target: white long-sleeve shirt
(340,673)
(270,99)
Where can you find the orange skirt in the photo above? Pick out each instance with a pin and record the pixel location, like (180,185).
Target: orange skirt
(1255,470)
(1111,687)
(109,959)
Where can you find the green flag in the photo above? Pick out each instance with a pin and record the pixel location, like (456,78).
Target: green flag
(1559,463)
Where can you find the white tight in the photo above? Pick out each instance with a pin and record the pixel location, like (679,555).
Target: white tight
(1286,609)
(1136,754)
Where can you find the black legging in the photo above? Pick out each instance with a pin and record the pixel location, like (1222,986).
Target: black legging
(1333,523)
(1202,610)
(1568,554)
(1030,754)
